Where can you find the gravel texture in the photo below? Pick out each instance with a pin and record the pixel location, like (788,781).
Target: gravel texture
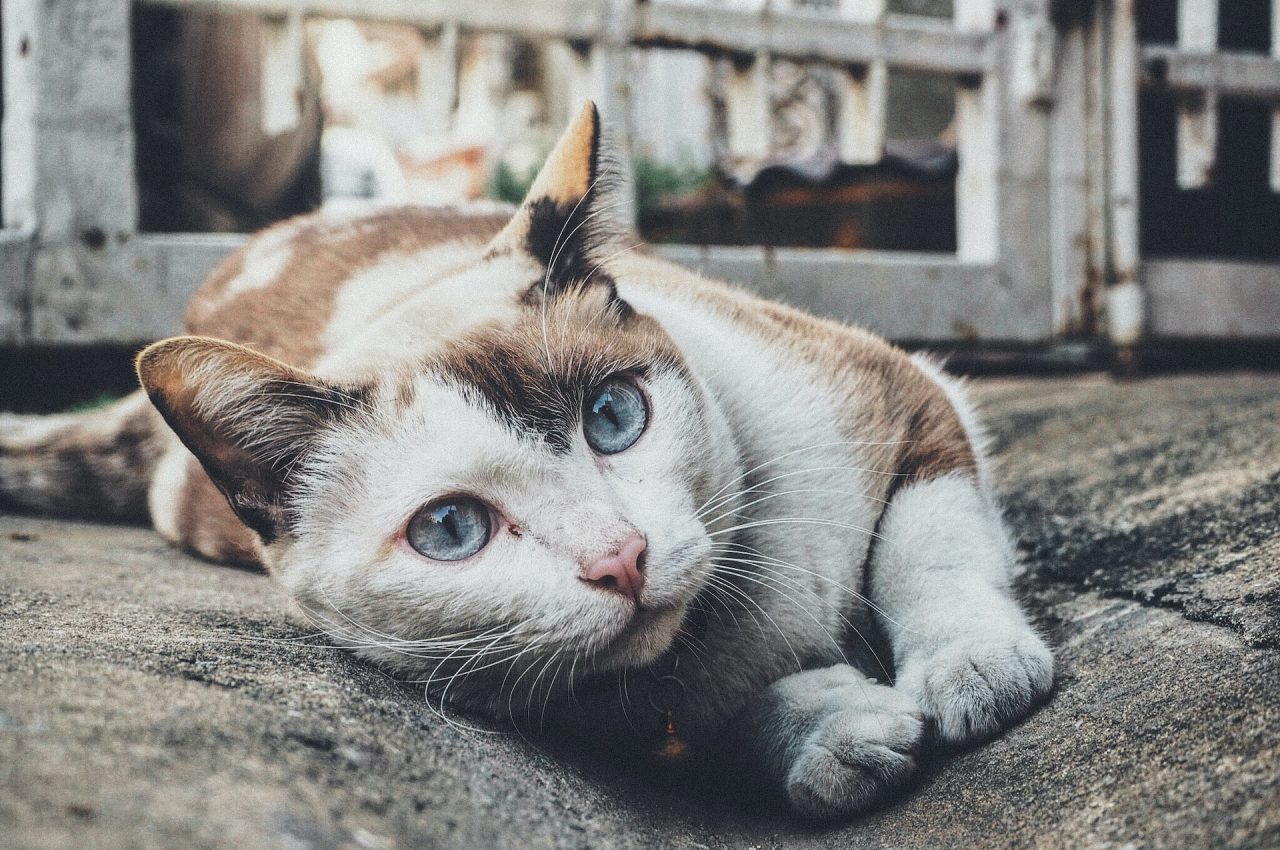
(151,700)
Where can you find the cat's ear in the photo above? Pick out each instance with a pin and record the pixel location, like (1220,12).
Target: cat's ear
(573,214)
(248,419)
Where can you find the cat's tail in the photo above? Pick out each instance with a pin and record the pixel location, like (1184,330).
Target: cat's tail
(92,465)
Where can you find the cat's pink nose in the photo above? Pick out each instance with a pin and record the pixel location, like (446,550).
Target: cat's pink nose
(621,572)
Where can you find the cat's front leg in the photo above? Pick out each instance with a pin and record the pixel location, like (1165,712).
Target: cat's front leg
(833,741)
(963,648)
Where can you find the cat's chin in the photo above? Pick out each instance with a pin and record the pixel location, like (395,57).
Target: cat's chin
(645,637)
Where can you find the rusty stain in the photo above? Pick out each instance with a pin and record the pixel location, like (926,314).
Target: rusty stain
(964,330)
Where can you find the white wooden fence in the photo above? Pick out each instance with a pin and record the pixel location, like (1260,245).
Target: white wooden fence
(1047,217)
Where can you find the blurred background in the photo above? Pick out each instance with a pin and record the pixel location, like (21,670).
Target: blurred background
(1039,184)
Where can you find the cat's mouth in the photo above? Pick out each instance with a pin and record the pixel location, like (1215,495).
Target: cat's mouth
(648,634)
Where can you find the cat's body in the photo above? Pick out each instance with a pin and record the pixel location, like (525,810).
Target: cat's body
(791,480)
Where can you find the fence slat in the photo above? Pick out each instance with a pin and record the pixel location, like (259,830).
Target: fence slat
(438,72)
(862,92)
(748,112)
(1124,294)
(1197,112)
(283,67)
(978,144)
(1275,110)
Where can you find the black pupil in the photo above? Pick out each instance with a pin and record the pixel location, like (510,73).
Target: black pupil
(605,406)
(450,522)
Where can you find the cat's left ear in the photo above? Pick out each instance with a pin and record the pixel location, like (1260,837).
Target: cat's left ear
(573,215)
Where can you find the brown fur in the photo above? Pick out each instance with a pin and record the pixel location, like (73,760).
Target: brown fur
(286,318)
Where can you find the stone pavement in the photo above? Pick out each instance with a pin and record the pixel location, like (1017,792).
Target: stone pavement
(150,700)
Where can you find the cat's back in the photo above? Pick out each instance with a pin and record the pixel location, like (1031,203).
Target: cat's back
(284,291)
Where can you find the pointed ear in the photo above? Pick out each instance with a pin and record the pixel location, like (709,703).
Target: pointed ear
(247,418)
(571,216)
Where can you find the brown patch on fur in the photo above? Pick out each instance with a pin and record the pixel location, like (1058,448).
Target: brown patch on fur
(887,397)
(590,334)
(248,418)
(286,317)
(93,465)
(208,527)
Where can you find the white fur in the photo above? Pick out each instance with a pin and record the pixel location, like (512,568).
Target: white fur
(940,575)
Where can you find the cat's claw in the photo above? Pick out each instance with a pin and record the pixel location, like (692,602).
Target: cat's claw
(971,690)
(853,757)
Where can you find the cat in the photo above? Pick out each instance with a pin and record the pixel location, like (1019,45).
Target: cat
(561,481)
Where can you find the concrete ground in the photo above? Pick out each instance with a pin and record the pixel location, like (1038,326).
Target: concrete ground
(151,700)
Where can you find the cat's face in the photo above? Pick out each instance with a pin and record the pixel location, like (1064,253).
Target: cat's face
(475,496)
(535,489)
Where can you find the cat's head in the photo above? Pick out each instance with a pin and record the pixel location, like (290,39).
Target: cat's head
(536,487)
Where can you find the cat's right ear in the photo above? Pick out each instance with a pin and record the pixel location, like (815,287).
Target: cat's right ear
(248,419)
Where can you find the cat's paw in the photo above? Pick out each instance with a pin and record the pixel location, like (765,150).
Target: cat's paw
(854,756)
(973,688)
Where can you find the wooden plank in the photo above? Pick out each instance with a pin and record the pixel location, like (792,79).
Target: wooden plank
(977,124)
(1213,298)
(1125,300)
(69,150)
(749,114)
(1197,134)
(863,95)
(1243,75)
(905,296)
(1275,109)
(1070,281)
(15,257)
(907,41)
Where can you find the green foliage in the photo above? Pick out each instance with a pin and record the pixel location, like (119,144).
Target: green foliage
(100,400)
(505,184)
(654,180)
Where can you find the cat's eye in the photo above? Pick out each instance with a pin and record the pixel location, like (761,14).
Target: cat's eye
(614,416)
(450,529)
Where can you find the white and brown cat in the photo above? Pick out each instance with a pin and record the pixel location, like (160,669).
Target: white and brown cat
(564,482)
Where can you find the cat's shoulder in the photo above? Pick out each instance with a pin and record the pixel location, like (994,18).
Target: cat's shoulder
(278,292)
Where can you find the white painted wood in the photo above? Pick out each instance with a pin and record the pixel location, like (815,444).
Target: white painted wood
(908,41)
(1275,110)
(1124,304)
(1198,25)
(71,166)
(977,143)
(1212,298)
(904,296)
(862,91)
(1197,135)
(860,128)
(437,84)
(977,198)
(1034,48)
(748,109)
(1235,74)
(15,254)
(1197,139)
(1069,188)
(283,66)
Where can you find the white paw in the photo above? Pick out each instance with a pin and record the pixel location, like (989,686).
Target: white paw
(973,688)
(857,754)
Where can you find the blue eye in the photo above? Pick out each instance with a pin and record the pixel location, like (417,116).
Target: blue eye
(614,416)
(450,529)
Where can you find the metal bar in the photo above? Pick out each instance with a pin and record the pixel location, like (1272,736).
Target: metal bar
(1213,298)
(907,41)
(1243,75)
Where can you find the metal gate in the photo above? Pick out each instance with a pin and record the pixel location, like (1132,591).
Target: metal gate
(1046,194)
